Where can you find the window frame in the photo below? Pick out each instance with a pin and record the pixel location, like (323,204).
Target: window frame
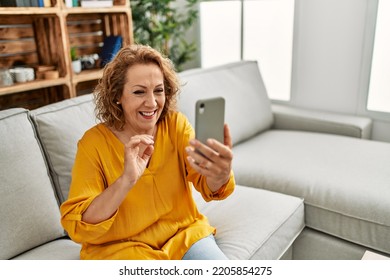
(368,55)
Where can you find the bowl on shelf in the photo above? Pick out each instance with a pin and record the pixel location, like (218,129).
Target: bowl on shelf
(6,77)
(22,74)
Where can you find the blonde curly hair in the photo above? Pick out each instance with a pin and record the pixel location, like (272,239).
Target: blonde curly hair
(110,86)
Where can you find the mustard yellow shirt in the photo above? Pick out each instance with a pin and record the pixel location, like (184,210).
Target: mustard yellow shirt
(158,219)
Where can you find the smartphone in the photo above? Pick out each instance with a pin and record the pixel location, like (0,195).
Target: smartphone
(210,119)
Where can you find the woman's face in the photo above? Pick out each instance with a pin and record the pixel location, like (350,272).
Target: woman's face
(143,98)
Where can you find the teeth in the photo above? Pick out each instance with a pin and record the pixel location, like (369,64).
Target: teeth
(148,114)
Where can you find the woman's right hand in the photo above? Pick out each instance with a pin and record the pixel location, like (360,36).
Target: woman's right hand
(138,152)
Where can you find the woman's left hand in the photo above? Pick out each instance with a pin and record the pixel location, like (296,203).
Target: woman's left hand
(213,159)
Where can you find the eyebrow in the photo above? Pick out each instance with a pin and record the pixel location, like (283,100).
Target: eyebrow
(142,86)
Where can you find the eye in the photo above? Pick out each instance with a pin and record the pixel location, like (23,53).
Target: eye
(137,92)
(159,90)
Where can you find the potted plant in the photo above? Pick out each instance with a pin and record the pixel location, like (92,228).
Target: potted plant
(76,62)
(163,26)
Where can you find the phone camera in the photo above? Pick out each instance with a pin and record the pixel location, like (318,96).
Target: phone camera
(201,108)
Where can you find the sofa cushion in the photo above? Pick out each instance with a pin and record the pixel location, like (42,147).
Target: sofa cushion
(60,126)
(345,181)
(29,213)
(245,228)
(248,109)
(61,249)
(291,118)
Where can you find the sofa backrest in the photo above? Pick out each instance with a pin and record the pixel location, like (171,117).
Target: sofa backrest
(60,126)
(248,108)
(29,213)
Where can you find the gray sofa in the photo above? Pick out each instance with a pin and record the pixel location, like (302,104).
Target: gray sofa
(309,185)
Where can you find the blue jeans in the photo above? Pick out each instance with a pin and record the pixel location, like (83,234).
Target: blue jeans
(205,249)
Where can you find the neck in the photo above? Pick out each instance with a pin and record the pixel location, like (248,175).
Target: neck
(130,131)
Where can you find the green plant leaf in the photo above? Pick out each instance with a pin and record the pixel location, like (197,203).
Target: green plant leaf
(162,24)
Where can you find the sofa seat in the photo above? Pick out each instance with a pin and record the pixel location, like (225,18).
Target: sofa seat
(61,249)
(345,182)
(245,228)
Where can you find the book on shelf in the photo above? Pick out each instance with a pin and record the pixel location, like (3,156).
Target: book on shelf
(14,3)
(97,3)
(25,3)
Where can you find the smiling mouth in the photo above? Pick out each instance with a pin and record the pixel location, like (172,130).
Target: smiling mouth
(148,114)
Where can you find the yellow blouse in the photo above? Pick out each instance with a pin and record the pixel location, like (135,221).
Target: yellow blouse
(158,218)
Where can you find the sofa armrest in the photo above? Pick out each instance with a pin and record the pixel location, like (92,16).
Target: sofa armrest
(290,118)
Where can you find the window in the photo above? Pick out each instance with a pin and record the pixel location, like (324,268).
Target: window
(220,27)
(259,30)
(379,88)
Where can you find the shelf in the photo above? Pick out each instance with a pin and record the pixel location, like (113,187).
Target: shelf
(29,10)
(36,84)
(44,36)
(87,75)
(65,10)
(79,10)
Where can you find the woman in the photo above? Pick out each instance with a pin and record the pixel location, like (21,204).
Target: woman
(130,195)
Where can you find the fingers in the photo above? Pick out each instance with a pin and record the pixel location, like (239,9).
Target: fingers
(148,152)
(199,159)
(200,168)
(140,146)
(213,159)
(138,139)
(227,136)
(213,151)
(217,172)
(138,151)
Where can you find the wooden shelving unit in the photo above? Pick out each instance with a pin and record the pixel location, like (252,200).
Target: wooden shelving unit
(35,36)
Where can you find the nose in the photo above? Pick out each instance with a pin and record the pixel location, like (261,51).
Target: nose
(150,100)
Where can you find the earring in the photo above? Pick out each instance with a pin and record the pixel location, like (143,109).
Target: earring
(118,103)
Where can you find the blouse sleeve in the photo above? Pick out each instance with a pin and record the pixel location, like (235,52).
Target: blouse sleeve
(197,179)
(87,183)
